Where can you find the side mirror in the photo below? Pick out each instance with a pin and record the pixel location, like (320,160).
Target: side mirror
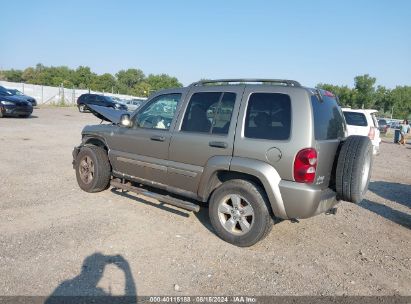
(125,120)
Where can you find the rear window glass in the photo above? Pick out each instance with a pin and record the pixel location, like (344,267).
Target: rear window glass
(328,119)
(355,119)
(382,122)
(209,112)
(268,116)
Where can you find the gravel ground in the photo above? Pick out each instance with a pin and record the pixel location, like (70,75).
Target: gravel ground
(57,239)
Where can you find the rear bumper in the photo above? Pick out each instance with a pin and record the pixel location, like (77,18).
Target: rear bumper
(302,201)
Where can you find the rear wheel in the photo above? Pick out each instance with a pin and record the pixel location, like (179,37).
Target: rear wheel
(239,213)
(92,169)
(354,168)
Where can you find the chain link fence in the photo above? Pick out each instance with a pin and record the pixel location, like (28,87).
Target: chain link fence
(57,95)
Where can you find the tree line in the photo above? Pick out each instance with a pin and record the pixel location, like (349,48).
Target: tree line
(130,81)
(365,94)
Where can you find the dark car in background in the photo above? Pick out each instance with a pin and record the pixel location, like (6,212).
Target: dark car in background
(12,105)
(383,126)
(18,93)
(98,100)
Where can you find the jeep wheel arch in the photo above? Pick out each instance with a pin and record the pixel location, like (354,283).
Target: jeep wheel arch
(95,141)
(252,170)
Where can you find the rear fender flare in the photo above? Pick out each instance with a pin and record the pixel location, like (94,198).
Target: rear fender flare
(268,177)
(262,171)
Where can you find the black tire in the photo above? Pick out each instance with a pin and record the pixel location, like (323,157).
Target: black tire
(262,221)
(354,169)
(102,170)
(25,116)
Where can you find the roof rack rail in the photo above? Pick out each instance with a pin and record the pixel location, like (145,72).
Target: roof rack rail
(291,83)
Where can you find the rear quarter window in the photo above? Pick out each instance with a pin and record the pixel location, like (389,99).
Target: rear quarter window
(355,119)
(328,118)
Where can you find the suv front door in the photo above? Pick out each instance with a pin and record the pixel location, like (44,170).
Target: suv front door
(205,130)
(141,151)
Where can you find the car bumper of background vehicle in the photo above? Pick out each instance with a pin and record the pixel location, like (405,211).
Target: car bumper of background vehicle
(302,201)
(12,110)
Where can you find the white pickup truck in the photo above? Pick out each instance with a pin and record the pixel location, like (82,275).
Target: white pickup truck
(363,122)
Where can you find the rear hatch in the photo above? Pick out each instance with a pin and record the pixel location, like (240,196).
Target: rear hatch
(356,123)
(364,123)
(329,131)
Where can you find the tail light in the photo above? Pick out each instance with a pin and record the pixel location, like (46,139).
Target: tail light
(305,166)
(371,133)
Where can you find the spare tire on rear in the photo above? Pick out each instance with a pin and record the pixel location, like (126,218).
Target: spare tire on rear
(354,168)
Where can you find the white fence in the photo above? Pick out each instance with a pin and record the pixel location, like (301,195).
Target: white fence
(53,95)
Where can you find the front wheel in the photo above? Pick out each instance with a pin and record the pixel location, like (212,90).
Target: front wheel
(92,169)
(82,108)
(239,213)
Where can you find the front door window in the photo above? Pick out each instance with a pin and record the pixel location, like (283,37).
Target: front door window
(159,113)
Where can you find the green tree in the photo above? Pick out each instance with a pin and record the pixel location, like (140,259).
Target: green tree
(345,95)
(401,97)
(29,75)
(13,75)
(105,82)
(162,81)
(142,89)
(364,86)
(383,99)
(83,77)
(127,79)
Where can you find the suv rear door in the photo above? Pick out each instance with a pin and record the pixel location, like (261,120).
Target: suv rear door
(357,123)
(205,130)
(273,127)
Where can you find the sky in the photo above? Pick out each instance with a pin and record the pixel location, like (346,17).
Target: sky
(313,41)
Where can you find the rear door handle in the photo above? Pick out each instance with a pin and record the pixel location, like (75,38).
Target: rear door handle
(218,144)
(158,138)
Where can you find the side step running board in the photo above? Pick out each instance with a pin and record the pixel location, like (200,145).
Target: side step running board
(162,198)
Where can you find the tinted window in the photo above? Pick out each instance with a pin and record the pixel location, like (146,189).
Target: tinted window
(355,119)
(328,119)
(209,112)
(268,116)
(382,122)
(222,119)
(109,99)
(87,98)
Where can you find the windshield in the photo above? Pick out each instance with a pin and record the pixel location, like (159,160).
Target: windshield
(109,99)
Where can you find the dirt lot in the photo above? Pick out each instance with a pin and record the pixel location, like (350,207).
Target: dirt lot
(49,228)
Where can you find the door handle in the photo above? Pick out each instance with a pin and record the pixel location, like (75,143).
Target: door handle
(158,138)
(218,144)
